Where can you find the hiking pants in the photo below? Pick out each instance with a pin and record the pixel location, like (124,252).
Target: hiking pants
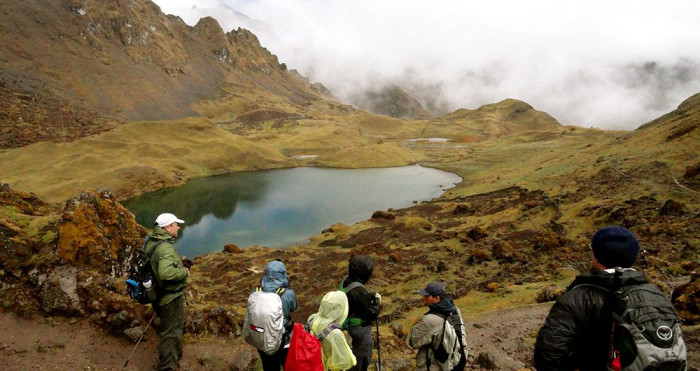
(172,323)
(273,362)
(362,344)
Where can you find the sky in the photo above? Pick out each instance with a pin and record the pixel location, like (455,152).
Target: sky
(607,64)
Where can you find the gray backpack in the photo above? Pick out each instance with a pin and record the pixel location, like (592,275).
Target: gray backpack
(263,326)
(646,329)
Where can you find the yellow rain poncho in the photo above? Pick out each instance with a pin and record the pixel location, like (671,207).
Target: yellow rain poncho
(335,350)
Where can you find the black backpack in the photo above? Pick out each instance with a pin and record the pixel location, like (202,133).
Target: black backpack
(646,331)
(139,283)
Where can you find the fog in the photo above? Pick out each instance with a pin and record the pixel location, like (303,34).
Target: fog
(605,64)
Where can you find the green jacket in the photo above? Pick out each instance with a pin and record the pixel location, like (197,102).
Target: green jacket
(170,274)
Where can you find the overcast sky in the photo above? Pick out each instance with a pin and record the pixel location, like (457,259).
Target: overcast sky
(600,63)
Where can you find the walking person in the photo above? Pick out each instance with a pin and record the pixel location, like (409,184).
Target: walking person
(577,334)
(274,280)
(171,278)
(427,335)
(364,307)
(335,351)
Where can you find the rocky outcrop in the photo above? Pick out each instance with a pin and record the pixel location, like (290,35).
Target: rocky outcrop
(97,233)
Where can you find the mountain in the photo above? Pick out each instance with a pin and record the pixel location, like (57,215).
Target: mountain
(90,65)
(392,101)
(104,100)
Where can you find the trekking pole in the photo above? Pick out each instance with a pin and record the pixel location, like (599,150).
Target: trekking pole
(194,331)
(140,337)
(379,349)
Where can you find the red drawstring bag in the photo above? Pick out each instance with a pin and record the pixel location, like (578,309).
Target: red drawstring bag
(304,351)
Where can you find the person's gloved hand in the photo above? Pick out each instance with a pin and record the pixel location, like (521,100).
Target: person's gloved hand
(187,263)
(378,298)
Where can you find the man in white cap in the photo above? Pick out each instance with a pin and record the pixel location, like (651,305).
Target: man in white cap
(170,275)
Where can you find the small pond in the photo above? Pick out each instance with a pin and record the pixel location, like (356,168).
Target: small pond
(280,208)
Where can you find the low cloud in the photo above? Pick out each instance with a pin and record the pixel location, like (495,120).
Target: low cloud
(613,65)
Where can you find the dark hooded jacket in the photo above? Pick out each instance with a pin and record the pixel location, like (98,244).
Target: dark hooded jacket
(576,333)
(362,302)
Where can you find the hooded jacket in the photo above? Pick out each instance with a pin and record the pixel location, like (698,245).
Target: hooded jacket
(362,303)
(169,272)
(426,335)
(275,277)
(576,333)
(335,351)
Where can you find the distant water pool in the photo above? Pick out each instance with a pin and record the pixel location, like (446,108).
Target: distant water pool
(280,208)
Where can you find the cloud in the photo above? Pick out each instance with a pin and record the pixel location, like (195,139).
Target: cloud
(607,64)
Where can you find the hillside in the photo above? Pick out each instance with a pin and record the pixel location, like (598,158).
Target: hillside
(94,64)
(104,101)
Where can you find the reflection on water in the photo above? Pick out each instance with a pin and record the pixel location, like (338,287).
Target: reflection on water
(278,208)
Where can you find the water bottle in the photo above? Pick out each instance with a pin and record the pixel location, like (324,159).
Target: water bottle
(150,291)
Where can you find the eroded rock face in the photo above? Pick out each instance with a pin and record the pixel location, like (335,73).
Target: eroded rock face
(59,293)
(98,233)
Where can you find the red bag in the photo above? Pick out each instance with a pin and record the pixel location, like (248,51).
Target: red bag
(304,351)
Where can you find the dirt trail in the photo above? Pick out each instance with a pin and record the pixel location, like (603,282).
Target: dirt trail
(57,344)
(499,340)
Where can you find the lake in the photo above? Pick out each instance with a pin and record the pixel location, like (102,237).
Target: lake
(281,208)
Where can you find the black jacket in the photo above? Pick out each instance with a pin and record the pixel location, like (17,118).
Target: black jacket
(576,333)
(361,302)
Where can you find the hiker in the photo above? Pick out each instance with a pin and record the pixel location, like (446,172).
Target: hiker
(577,332)
(171,277)
(335,351)
(364,307)
(427,334)
(275,278)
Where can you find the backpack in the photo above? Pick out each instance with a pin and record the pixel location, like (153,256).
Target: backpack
(139,283)
(646,330)
(263,326)
(304,352)
(350,321)
(451,354)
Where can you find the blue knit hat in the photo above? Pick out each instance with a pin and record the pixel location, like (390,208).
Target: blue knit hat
(615,247)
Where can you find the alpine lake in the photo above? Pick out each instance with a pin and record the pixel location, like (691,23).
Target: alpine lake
(281,208)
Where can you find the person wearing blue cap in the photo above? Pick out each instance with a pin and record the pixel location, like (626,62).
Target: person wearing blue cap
(577,333)
(427,334)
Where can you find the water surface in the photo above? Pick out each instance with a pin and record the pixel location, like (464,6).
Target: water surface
(279,208)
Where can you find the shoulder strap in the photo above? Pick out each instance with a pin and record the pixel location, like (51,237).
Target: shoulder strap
(327,331)
(279,291)
(153,248)
(352,286)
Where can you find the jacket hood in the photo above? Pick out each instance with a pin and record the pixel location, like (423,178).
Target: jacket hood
(605,279)
(333,309)
(159,233)
(360,269)
(446,305)
(275,276)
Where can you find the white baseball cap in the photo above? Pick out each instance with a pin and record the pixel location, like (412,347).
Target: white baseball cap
(164,220)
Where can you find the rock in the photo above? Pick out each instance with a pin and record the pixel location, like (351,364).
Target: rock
(671,207)
(486,361)
(686,300)
(462,209)
(134,333)
(99,233)
(476,234)
(549,293)
(59,294)
(379,214)
(232,249)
